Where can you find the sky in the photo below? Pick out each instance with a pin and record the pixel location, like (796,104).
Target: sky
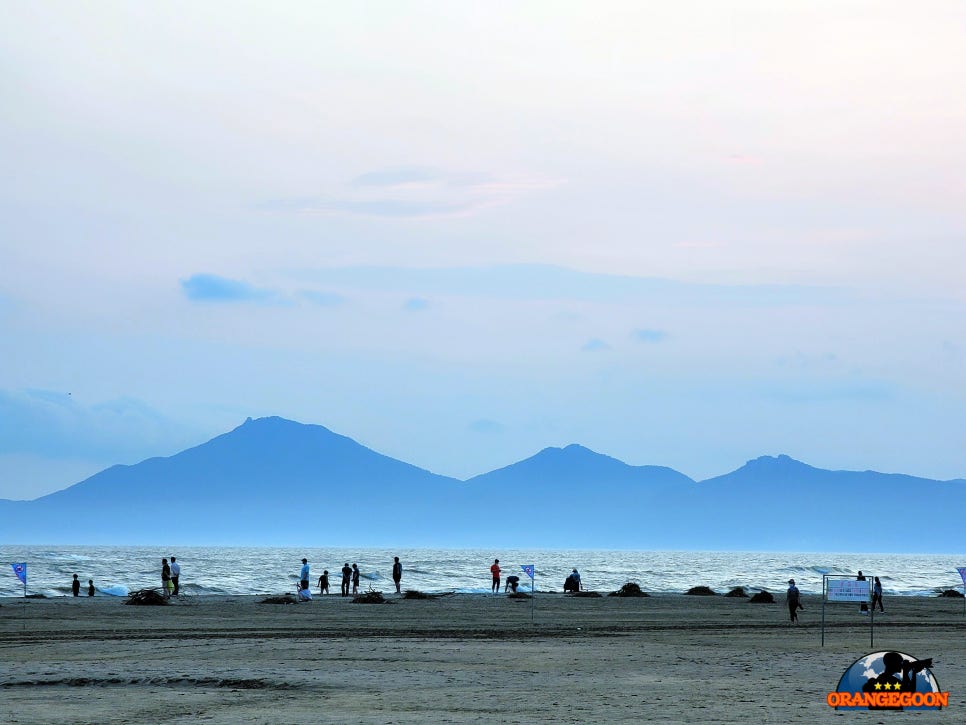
(683,234)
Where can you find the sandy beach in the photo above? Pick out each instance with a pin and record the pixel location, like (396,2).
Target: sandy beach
(458,658)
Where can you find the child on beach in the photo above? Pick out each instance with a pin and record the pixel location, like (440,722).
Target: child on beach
(90,587)
(324,582)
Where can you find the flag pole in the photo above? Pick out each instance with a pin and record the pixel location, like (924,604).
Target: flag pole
(533,590)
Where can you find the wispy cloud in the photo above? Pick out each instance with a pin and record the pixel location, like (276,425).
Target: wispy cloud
(415,192)
(486,426)
(323,299)
(537,281)
(595,345)
(212,288)
(53,424)
(831,391)
(416,304)
(650,335)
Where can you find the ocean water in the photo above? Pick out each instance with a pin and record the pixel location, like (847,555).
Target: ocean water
(239,570)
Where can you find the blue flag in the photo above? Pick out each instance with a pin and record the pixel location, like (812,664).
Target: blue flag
(962,573)
(528,569)
(21,571)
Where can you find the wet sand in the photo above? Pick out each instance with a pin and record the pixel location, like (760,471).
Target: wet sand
(459,658)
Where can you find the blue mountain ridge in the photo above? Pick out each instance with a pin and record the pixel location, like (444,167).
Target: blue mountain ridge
(273,481)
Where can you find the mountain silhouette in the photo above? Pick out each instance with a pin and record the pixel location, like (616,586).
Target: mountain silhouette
(273,481)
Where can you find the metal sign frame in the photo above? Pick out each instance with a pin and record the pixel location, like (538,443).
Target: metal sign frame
(869,578)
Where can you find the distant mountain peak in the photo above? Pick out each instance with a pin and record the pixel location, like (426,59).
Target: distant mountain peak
(780,461)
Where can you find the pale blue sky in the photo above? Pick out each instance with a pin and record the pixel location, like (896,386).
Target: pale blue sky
(684,234)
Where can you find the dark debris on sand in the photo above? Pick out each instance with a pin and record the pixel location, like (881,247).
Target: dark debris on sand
(737,592)
(416,594)
(629,590)
(370,597)
(762,597)
(585,594)
(518,595)
(701,591)
(283,599)
(147,597)
(955,593)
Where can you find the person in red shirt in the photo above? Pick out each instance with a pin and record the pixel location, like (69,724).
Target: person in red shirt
(495,571)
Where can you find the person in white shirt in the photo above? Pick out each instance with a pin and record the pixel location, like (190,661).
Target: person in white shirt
(175,575)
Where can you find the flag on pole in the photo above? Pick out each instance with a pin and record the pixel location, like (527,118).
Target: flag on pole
(962,573)
(528,569)
(21,571)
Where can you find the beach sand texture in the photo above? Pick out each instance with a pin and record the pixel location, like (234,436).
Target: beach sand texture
(459,658)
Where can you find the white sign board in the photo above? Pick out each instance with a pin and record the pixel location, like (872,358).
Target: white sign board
(848,590)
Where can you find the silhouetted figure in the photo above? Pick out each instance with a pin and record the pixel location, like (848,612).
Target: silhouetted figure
(512,582)
(794,600)
(892,664)
(75,586)
(304,575)
(495,573)
(355,578)
(324,582)
(346,576)
(165,578)
(864,606)
(877,594)
(90,587)
(572,582)
(396,573)
(175,575)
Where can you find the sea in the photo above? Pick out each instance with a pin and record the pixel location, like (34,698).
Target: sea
(118,570)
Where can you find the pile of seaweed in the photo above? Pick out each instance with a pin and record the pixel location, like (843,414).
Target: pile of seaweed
(737,592)
(147,597)
(951,593)
(283,599)
(629,590)
(518,595)
(585,594)
(701,592)
(762,597)
(370,597)
(416,594)
(36,596)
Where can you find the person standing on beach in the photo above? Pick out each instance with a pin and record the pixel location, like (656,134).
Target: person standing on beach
(75,586)
(864,606)
(877,594)
(396,573)
(304,575)
(90,587)
(165,579)
(175,575)
(324,582)
(575,575)
(355,578)
(495,573)
(794,599)
(346,575)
